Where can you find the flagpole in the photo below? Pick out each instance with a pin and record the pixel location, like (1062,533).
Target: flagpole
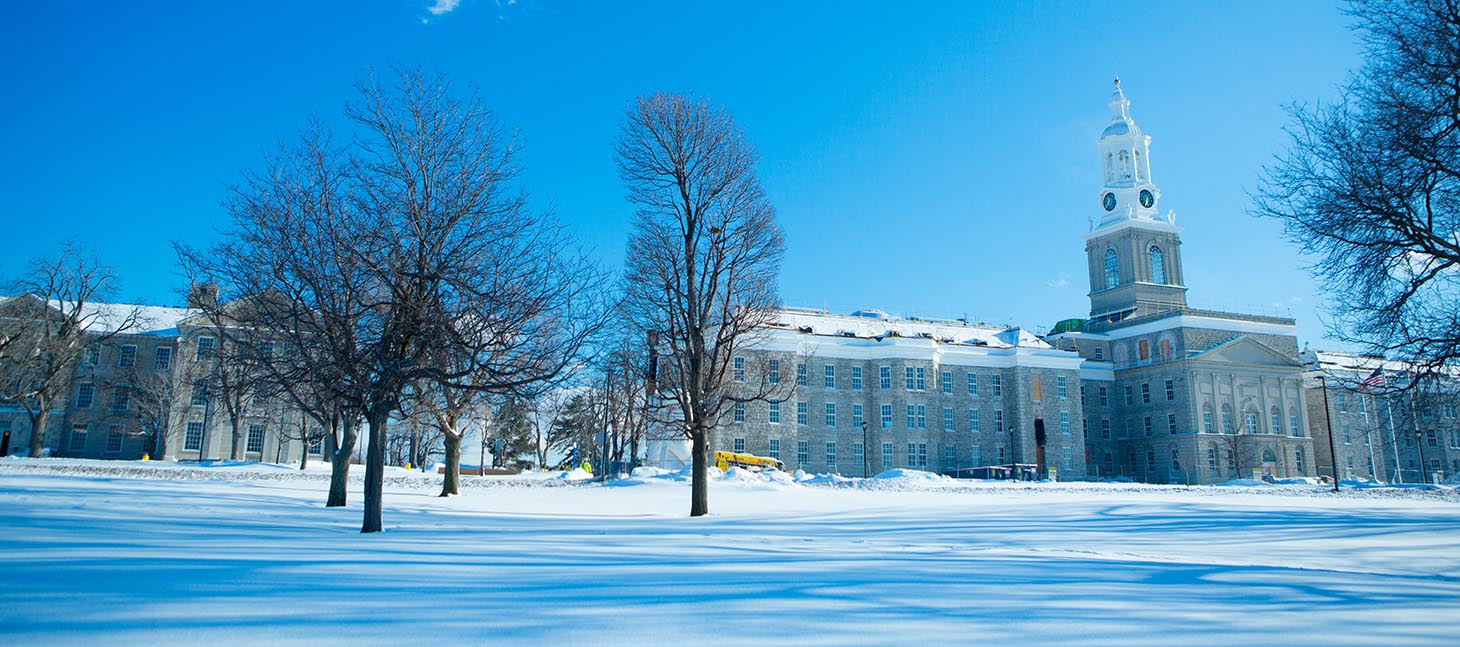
(1394,441)
(1369,440)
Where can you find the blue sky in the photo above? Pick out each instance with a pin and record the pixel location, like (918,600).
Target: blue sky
(929,159)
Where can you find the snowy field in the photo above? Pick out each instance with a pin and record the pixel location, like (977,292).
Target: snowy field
(143,554)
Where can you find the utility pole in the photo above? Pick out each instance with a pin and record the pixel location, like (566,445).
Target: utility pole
(866,462)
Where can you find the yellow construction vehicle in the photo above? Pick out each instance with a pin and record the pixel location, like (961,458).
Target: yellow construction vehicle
(727,460)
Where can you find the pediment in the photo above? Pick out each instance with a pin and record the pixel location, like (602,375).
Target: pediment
(1246,351)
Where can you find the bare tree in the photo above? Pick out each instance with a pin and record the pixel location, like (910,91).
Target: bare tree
(410,246)
(154,395)
(702,261)
(543,411)
(49,329)
(1370,185)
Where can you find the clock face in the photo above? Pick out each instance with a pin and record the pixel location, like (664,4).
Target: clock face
(1147,199)
(1108,201)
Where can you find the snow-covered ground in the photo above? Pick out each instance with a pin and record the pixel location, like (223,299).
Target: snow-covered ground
(153,553)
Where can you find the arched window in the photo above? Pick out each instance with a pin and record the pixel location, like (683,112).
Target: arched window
(1143,350)
(1112,269)
(1268,456)
(1158,265)
(1298,461)
(1138,165)
(1165,350)
(1110,167)
(1124,165)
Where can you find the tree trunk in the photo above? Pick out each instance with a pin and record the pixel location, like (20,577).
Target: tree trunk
(452,481)
(339,454)
(415,454)
(236,424)
(38,429)
(159,444)
(375,467)
(699,495)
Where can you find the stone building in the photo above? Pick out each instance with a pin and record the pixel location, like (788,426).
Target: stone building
(1393,437)
(866,392)
(157,375)
(1177,394)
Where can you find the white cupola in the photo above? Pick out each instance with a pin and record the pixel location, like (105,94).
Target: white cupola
(1127,192)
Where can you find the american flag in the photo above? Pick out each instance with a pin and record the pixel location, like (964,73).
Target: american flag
(1375,380)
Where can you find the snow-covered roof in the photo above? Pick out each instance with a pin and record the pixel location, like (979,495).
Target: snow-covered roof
(870,324)
(1334,362)
(151,320)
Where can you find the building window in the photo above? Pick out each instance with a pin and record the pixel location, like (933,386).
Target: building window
(922,416)
(773,416)
(973,421)
(1143,350)
(975,456)
(950,457)
(912,454)
(85,393)
(922,454)
(829,376)
(1112,269)
(1212,457)
(1277,422)
(773,371)
(996,385)
(1099,354)
(92,356)
(1036,388)
(856,378)
(163,359)
(945,382)
(859,454)
(1171,423)
(1298,460)
(316,442)
(947,418)
(77,441)
(739,365)
(1150,461)
(1293,427)
(803,452)
(121,399)
(193,438)
(1175,458)
(1146,425)
(1165,346)
(1227,421)
(1129,429)
(857,419)
(886,416)
(1342,402)
(128,357)
(887,459)
(200,394)
(1206,421)
(973,384)
(114,439)
(1158,265)
(1129,400)
(739,412)
(830,414)
(912,416)
(884,377)
(1065,423)
(1105,428)
(207,347)
(739,445)
(1251,420)
(1062,387)
(1104,397)
(1170,390)
(831,455)
(800,375)
(998,421)
(255,442)
(1145,392)
(775,449)
(1003,458)
(909,384)
(922,379)
(803,417)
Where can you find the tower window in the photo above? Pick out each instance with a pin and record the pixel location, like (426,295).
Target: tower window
(1112,270)
(1158,265)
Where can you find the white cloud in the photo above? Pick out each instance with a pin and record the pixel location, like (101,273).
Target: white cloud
(443,7)
(1059,282)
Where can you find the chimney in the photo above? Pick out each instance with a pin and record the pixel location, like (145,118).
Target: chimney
(202,295)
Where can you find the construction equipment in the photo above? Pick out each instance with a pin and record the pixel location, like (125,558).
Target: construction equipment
(727,460)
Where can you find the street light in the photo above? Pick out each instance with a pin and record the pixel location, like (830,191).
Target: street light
(866,464)
(1328,422)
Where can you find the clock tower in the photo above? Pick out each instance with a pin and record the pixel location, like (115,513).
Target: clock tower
(1134,251)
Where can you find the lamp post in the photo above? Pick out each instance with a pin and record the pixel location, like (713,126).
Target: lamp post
(866,464)
(1328,422)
